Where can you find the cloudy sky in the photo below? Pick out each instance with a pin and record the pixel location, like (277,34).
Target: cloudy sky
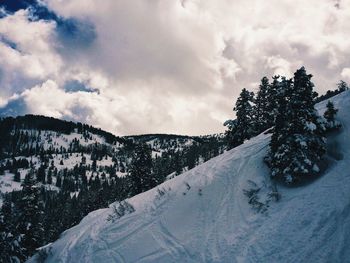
(155,66)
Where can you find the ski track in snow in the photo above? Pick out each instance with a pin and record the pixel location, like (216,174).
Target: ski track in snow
(205,217)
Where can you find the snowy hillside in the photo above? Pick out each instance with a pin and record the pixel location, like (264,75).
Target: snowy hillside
(61,151)
(203,215)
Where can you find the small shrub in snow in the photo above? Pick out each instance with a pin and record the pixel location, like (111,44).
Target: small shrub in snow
(274,193)
(253,199)
(260,199)
(188,188)
(161,192)
(120,209)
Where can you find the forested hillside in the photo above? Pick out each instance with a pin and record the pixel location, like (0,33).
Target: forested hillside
(76,168)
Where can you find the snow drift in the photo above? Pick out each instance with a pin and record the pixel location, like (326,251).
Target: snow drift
(203,215)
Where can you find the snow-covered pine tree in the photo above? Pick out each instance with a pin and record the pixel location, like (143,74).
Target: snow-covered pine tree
(30,220)
(230,133)
(297,145)
(273,94)
(281,120)
(329,115)
(11,249)
(242,127)
(260,109)
(141,177)
(49,176)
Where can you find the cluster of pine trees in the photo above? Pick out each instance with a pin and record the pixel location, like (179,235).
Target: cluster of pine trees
(29,213)
(341,86)
(145,173)
(298,143)
(254,113)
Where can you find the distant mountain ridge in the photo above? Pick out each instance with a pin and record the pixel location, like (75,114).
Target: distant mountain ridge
(35,135)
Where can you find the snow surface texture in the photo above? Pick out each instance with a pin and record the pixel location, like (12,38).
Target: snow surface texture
(203,215)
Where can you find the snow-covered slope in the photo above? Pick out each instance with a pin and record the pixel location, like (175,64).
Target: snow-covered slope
(203,215)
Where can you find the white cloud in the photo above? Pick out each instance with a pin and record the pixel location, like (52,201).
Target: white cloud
(171,66)
(345,73)
(32,59)
(279,66)
(48,99)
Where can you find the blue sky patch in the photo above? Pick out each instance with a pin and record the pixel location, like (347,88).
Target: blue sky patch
(8,42)
(75,86)
(72,33)
(15,107)
(75,33)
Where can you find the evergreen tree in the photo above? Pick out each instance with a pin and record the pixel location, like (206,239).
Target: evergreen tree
(177,163)
(94,165)
(191,156)
(122,167)
(5,247)
(31,215)
(59,181)
(51,216)
(342,86)
(242,127)
(41,175)
(261,108)
(49,176)
(329,115)
(297,144)
(273,95)
(161,168)
(281,119)
(141,177)
(17,177)
(11,249)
